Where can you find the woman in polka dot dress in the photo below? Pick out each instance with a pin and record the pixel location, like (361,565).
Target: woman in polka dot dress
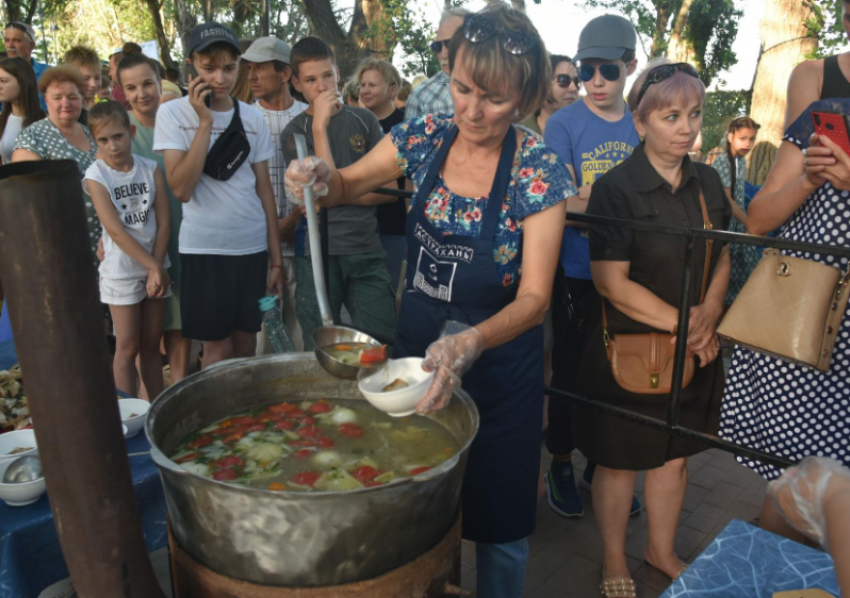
(773,405)
(60,136)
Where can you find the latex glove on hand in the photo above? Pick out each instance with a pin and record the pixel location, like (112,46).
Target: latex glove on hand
(801,493)
(450,357)
(303,173)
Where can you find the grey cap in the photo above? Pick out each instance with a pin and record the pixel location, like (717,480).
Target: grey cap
(206,34)
(25,27)
(266,49)
(606,38)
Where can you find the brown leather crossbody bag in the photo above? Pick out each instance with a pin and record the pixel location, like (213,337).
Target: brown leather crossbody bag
(643,363)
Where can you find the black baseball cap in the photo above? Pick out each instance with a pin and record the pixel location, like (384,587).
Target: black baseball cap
(206,34)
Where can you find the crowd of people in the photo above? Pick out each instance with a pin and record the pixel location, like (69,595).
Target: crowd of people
(194,201)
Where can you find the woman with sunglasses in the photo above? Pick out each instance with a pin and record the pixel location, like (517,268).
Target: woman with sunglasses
(639,275)
(563,92)
(482,234)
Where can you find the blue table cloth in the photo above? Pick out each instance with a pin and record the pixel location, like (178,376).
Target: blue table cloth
(30,556)
(744,561)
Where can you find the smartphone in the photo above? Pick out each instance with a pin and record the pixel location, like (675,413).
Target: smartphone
(208,98)
(834,126)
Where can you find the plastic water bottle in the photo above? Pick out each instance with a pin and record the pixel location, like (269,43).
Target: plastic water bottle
(274,326)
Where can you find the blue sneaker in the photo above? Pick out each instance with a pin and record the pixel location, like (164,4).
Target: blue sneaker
(587,479)
(561,490)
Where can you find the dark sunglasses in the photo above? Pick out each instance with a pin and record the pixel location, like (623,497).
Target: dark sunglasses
(478,28)
(664,72)
(565,81)
(437,45)
(609,72)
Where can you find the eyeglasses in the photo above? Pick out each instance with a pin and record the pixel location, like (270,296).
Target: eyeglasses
(565,81)
(437,45)
(478,28)
(609,72)
(664,72)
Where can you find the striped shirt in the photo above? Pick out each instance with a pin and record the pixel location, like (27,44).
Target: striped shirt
(277,121)
(432,97)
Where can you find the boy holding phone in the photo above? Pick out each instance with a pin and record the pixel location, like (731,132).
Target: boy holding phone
(216,152)
(591,136)
(340,135)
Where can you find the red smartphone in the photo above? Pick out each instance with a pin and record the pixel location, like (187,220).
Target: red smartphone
(834,126)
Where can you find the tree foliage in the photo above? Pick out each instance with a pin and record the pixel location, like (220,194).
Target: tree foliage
(826,23)
(719,109)
(702,30)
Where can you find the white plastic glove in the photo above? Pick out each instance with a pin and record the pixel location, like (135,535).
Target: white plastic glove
(450,357)
(310,171)
(799,495)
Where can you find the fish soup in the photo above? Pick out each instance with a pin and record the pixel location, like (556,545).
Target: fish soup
(310,446)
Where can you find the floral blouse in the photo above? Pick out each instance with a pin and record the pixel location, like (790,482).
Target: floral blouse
(538,181)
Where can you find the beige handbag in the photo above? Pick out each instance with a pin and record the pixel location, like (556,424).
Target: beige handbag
(789,308)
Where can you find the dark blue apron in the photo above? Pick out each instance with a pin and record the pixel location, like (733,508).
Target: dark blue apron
(454,277)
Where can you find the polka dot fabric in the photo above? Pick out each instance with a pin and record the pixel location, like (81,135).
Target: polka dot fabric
(45,139)
(782,408)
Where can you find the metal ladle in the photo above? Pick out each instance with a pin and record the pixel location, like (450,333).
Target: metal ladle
(329,334)
(23,470)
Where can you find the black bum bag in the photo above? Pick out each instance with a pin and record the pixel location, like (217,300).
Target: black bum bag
(230,150)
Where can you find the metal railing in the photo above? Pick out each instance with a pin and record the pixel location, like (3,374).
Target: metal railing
(671,425)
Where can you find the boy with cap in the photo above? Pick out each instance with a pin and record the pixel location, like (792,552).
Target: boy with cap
(591,136)
(269,72)
(340,135)
(216,152)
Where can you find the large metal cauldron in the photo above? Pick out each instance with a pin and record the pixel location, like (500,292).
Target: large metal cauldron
(288,538)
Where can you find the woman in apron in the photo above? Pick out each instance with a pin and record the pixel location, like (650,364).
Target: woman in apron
(483,236)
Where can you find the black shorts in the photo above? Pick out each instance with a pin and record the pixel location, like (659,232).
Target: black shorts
(219,294)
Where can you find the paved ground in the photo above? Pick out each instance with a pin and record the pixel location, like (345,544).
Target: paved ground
(566,554)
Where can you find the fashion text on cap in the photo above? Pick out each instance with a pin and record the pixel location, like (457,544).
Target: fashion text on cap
(207,34)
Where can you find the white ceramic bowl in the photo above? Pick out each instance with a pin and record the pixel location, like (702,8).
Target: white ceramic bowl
(17,439)
(129,407)
(402,402)
(20,495)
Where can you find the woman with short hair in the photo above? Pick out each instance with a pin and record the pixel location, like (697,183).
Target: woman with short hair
(60,136)
(639,275)
(483,235)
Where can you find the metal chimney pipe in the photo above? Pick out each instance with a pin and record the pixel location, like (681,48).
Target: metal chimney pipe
(50,283)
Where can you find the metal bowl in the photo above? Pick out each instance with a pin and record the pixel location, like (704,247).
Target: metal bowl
(331,335)
(297,539)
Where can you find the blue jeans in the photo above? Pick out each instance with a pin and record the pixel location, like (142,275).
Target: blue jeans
(501,569)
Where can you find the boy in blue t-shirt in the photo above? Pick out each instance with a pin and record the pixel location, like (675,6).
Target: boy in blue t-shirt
(591,136)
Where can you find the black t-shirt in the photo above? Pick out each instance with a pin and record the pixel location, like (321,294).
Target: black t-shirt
(392,217)
(634,190)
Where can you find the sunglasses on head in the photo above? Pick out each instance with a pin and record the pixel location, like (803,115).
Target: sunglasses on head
(478,28)
(437,45)
(664,72)
(566,80)
(609,72)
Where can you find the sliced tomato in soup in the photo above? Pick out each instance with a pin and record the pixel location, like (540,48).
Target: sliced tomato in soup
(307,478)
(201,441)
(352,430)
(231,461)
(282,408)
(374,355)
(320,407)
(366,473)
(225,475)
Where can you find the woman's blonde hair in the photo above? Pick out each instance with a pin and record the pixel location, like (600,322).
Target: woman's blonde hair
(493,68)
(386,70)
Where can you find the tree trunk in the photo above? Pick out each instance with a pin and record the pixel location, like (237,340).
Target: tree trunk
(357,43)
(678,48)
(186,21)
(659,36)
(161,38)
(785,43)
